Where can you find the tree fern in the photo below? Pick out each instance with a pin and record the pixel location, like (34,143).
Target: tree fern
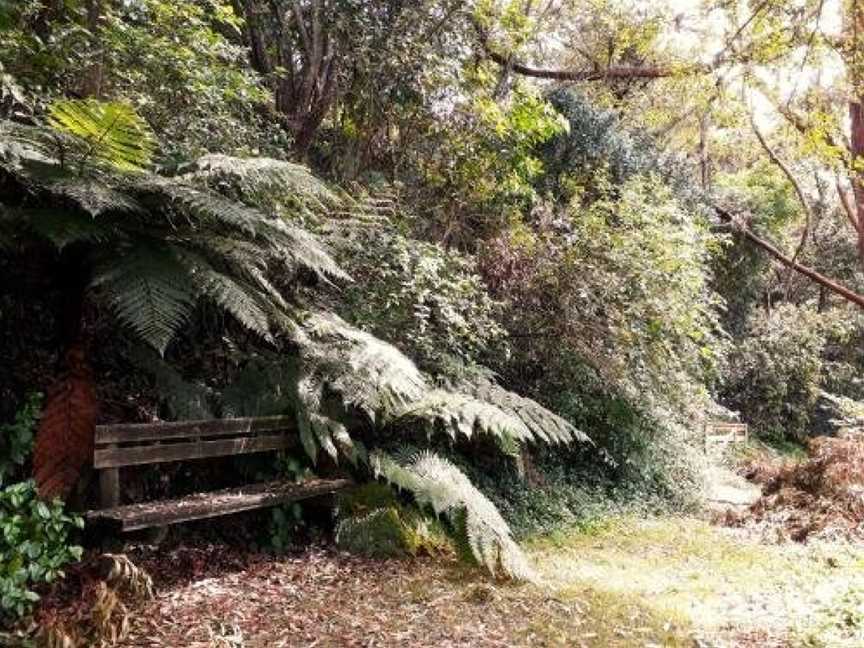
(436,483)
(159,244)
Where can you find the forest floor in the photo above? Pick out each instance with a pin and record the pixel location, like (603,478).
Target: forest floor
(625,581)
(628,582)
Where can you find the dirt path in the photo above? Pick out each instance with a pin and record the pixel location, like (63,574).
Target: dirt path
(727,489)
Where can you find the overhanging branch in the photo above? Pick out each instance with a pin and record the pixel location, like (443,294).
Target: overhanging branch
(844,292)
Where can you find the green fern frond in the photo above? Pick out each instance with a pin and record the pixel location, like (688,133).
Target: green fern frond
(243,259)
(377,379)
(366,372)
(302,249)
(262,180)
(151,291)
(435,482)
(462,415)
(109,132)
(93,197)
(543,424)
(200,208)
(63,228)
(21,143)
(241,301)
(293,247)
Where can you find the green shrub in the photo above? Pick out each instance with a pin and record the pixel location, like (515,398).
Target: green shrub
(34,546)
(775,372)
(373,522)
(16,438)
(566,490)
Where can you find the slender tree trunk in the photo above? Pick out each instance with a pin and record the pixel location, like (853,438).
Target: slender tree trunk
(856,176)
(854,64)
(704,160)
(92,84)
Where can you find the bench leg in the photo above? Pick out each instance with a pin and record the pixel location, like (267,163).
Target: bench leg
(109,487)
(157,535)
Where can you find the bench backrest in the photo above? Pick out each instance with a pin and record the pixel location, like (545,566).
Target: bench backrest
(135,444)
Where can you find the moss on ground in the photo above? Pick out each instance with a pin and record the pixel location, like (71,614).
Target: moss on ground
(716,583)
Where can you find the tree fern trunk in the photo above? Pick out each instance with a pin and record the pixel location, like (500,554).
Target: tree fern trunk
(73,278)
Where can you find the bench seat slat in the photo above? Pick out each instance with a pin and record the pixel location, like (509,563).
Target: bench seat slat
(205,505)
(138,432)
(139,455)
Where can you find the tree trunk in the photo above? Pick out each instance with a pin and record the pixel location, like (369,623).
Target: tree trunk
(856,176)
(297,39)
(92,83)
(704,160)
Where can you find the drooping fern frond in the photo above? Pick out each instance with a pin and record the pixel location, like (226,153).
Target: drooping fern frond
(109,132)
(436,483)
(229,292)
(266,183)
(293,247)
(92,196)
(151,291)
(368,373)
(463,415)
(543,424)
(377,379)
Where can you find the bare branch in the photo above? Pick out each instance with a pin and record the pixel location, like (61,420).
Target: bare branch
(805,205)
(847,205)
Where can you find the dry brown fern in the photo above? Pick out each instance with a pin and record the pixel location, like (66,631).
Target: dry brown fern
(64,440)
(125,576)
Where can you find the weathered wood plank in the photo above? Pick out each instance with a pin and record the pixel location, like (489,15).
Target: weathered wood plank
(217,503)
(137,432)
(139,455)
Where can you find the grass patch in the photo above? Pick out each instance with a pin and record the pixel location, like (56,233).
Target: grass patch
(614,619)
(704,580)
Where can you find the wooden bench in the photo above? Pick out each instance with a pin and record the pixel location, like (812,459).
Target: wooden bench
(720,435)
(139,444)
